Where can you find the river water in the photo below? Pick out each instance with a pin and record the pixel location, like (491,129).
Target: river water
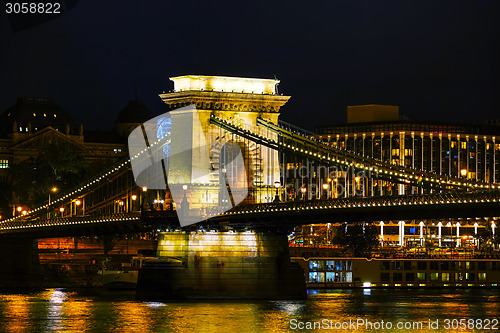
(421,310)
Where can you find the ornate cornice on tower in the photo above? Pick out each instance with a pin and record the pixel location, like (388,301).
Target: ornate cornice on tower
(219,93)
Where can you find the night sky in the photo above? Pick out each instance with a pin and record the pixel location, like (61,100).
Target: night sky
(437,60)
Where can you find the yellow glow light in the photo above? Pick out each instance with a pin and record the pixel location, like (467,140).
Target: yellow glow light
(224,84)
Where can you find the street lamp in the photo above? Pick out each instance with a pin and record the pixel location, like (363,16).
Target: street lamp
(54,190)
(303,190)
(463,172)
(77,203)
(184,187)
(277,196)
(325,188)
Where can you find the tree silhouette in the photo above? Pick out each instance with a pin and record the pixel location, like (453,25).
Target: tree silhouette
(55,166)
(361,238)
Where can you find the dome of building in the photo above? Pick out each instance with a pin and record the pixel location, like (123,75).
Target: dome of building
(37,113)
(134,112)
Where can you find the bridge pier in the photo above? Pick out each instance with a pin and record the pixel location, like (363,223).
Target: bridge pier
(221,265)
(19,264)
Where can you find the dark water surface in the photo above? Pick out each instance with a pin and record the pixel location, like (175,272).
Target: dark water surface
(59,310)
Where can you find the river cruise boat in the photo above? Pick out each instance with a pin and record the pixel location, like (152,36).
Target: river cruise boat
(124,277)
(344,272)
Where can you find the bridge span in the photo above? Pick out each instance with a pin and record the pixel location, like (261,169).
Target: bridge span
(270,216)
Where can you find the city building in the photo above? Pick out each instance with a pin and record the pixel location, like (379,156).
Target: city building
(379,131)
(33,125)
(457,150)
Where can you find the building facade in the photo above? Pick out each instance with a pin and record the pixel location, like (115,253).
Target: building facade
(33,125)
(455,150)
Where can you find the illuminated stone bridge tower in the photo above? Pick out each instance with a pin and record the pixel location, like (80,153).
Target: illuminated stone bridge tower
(238,100)
(221,264)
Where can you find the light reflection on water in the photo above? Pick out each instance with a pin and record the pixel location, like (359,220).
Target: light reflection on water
(60,310)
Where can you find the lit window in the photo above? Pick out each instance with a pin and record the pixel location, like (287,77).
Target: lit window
(317,265)
(464,145)
(4,164)
(469,276)
(421,277)
(481,276)
(434,276)
(316,277)
(117,150)
(445,277)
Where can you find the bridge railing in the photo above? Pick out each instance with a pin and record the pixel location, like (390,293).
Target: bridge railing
(361,202)
(411,174)
(67,221)
(41,208)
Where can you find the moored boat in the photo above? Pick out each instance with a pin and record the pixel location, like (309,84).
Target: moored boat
(342,272)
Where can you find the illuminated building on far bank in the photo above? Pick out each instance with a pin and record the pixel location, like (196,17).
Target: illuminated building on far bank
(458,150)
